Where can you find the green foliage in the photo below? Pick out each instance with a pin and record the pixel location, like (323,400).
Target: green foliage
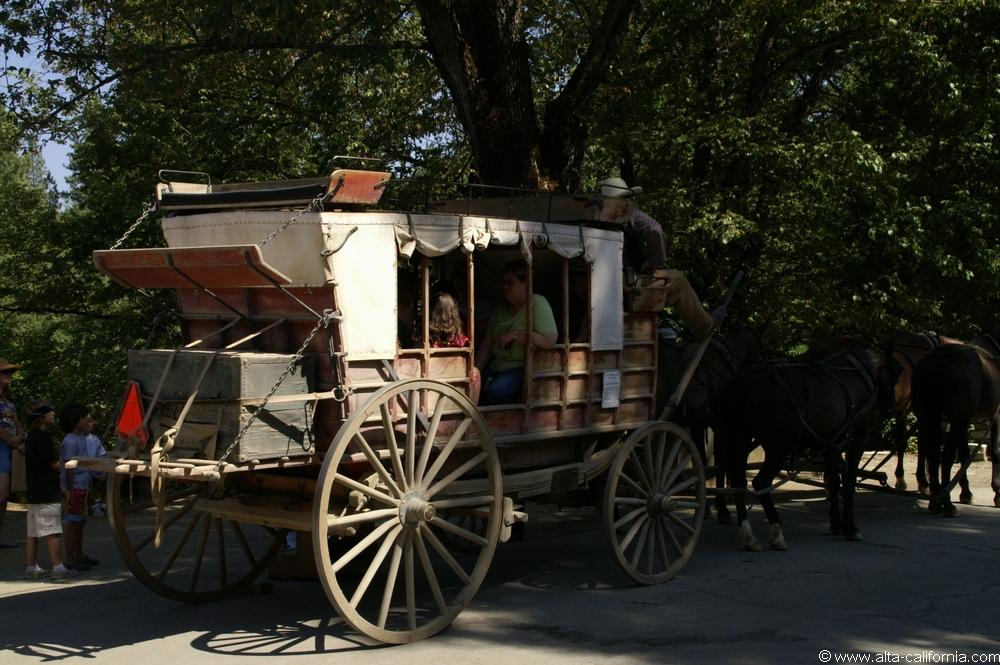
(842,153)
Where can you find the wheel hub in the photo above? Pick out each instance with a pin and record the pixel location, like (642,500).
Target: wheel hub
(414,510)
(659,504)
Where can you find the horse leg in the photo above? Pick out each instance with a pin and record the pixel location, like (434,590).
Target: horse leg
(722,514)
(831,479)
(735,460)
(995,459)
(953,442)
(762,483)
(929,454)
(699,434)
(965,496)
(853,459)
(899,439)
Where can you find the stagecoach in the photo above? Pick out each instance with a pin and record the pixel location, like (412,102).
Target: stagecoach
(306,396)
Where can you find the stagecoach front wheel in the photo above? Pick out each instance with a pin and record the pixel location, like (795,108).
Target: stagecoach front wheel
(202,556)
(654,502)
(401,468)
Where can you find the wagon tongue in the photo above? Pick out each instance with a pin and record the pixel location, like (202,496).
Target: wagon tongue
(130,418)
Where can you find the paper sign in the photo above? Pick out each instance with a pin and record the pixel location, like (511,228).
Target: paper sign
(611,390)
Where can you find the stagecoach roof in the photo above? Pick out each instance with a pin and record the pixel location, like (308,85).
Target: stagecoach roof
(360,251)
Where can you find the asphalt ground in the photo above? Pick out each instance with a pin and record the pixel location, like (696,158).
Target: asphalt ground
(919,586)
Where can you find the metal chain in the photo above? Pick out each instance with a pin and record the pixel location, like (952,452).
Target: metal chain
(323,322)
(150,207)
(317,202)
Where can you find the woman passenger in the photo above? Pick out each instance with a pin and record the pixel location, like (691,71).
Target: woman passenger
(445,328)
(501,354)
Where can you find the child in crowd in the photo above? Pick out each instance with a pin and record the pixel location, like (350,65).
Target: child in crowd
(10,438)
(79,441)
(445,327)
(44,494)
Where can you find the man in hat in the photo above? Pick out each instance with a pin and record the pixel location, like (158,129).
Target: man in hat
(645,253)
(10,437)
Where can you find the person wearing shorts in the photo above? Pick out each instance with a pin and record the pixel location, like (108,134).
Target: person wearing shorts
(80,441)
(44,517)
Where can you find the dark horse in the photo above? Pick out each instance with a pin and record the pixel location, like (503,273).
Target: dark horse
(907,349)
(827,404)
(958,384)
(726,356)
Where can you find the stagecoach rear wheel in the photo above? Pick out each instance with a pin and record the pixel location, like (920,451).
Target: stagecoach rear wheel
(654,502)
(388,486)
(201,556)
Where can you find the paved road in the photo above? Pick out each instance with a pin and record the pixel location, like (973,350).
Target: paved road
(918,583)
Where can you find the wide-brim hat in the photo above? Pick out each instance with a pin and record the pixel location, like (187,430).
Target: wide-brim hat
(616,188)
(8,366)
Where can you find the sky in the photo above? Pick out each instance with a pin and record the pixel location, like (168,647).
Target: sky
(56,155)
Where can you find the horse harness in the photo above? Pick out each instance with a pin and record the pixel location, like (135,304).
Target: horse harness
(839,440)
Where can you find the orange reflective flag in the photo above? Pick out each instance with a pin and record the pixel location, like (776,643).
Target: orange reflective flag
(131,416)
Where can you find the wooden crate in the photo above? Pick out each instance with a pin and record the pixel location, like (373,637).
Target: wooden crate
(233,386)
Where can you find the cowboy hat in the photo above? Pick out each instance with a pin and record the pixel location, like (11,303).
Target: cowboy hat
(615,188)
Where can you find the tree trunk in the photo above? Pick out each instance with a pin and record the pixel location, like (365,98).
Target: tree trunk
(480,50)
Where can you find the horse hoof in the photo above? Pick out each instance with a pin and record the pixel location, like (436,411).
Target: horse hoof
(965,497)
(923,489)
(777,541)
(900,484)
(996,500)
(949,511)
(934,506)
(747,540)
(854,537)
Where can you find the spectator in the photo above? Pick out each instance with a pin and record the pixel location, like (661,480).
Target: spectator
(44,496)
(80,441)
(445,327)
(10,438)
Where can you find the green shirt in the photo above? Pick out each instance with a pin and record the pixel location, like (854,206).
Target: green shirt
(504,319)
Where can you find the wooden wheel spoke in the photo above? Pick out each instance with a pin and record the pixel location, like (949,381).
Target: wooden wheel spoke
(632,532)
(235,526)
(376,464)
(661,544)
(667,462)
(457,473)
(643,478)
(390,443)
(167,523)
(647,454)
(432,428)
(171,499)
(221,544)
(661,440)
(634,485)
(630,501)
(640,544)
(678,470)
(442,457)
(463,502)
(425,563)
(687,504)
(365,489)
(408,574)
(179,546)
(629,516)
(376,563)
(390,579)
(681,486)
(681,523)
(650,556)
(412,408)
(202,542)
(673,539)
(365,543)
(334,521)
(459,531)
(445,554)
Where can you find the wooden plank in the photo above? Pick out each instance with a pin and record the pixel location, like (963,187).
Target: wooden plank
(187,267)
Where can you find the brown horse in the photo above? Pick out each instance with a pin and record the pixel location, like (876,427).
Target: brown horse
(907,349)
(958,384)
(828,405)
